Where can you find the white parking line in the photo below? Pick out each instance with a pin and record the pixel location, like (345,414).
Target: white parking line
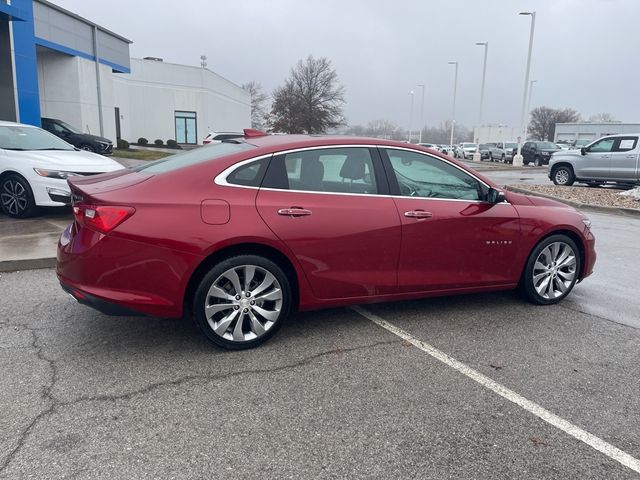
(532,407)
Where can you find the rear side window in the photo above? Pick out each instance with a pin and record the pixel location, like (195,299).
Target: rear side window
(626,144)
(338,170)
(193,157)
(249,175)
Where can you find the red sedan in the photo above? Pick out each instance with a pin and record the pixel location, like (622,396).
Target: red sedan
(239,234)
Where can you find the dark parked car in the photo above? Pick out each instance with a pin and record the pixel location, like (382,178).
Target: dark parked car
(485,149)
(83,141)
(238,235)
(538,153)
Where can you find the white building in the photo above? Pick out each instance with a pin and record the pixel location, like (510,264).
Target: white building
(495,133)
(54,63)
(572,132)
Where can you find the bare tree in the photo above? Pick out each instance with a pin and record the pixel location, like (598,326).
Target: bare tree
(258,99)
(543,121)
(602,118)
(311,99)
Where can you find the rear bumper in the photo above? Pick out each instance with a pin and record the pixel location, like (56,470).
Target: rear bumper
(103,306)
(118,276)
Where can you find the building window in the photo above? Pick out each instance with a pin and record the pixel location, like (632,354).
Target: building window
(186,131)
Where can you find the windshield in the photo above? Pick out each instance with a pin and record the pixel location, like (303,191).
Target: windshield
(192,157)
(15,137)
(549,145)
(510,145)
(469,145)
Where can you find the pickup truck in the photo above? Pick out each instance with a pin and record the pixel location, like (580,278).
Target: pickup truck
(614,158)
(502,152)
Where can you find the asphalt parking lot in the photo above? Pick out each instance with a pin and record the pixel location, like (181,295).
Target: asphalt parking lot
(333,395)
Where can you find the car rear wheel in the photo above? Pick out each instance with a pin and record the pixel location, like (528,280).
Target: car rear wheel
(502,159)
(16,197)
(552,270)
(242,301)
(87,148)
(563,176)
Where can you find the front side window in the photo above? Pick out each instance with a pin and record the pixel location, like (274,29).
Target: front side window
(602,146)
(338,170)
(425,176)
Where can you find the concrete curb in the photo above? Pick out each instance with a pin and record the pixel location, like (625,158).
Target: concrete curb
(633,212)
(27,264)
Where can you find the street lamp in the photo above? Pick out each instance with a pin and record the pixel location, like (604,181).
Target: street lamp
(476,156)
(410,115)
(421,115)
(517,160)
(526,127)
(453,107)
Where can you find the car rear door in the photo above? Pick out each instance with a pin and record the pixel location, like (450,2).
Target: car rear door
(624,159)
(596,161)
(331,208)
(451,237)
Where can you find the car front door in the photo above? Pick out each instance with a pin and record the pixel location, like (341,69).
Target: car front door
(596,161)
(326,205)
(451,237)
(624,159)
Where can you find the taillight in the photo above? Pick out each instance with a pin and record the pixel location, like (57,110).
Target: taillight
(102,218)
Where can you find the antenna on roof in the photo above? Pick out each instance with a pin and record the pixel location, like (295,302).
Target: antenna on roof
(203,62)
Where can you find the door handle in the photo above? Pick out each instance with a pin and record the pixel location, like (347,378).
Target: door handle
(418,214)
(294,212)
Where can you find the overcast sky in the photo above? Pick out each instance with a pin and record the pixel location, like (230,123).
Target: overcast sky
(585,52)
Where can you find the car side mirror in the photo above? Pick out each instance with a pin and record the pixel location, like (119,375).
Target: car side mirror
(496,196)
(583,151)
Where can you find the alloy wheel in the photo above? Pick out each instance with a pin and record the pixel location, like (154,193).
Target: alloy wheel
(555,270)
(243,303)
(562,176)
(14,197)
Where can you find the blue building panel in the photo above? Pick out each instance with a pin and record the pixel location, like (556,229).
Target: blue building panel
(26,66)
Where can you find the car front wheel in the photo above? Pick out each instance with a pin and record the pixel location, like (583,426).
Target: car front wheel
(563,176)
(16,197)
(242,302)
(552,270)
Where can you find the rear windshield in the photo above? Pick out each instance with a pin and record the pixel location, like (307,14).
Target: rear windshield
(192,157)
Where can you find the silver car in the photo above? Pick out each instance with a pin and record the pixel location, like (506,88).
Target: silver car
(614,158)
(502,152)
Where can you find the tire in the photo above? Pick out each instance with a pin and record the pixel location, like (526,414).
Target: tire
(87,148)
(537,162)
(250,318)
(563,176)
(552,270)
(16,197)
(503,159)
(490,157)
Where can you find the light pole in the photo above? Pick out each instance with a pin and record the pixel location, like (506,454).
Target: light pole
(476,156)
(410,115)
(421,115)
(517,160)
(529,104)
(453,107)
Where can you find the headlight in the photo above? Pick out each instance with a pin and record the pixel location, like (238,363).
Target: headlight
(546,154)
(62,175)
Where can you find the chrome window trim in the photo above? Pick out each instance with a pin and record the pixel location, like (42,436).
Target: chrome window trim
(221,178)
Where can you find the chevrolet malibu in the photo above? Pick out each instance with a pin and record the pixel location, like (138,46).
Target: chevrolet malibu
(239,234)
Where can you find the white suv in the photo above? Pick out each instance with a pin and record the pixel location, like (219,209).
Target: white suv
(218,137)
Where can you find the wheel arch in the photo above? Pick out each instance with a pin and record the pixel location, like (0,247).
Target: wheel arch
(562,164)
(246,248)
(562,231)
